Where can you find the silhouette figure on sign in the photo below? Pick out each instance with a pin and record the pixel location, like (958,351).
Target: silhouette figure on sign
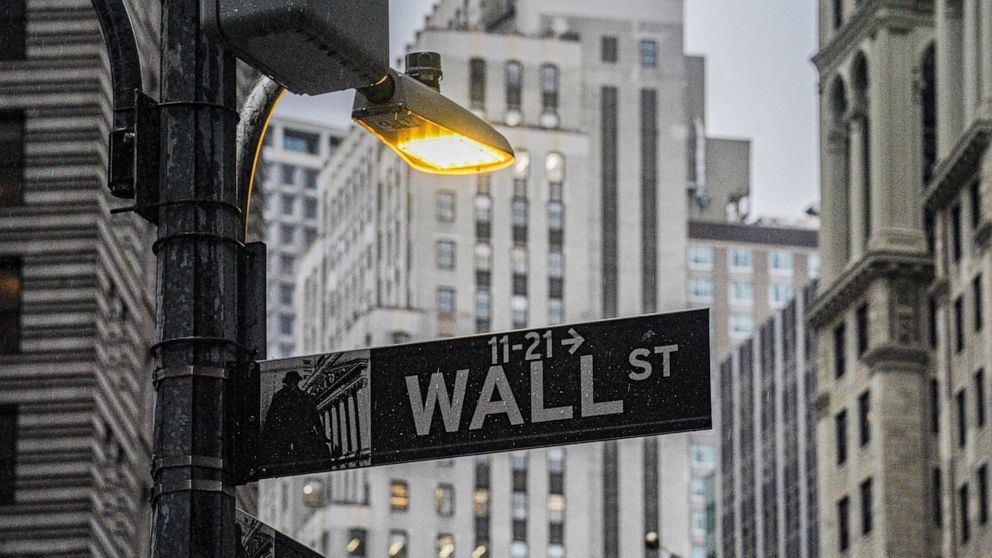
(293,430)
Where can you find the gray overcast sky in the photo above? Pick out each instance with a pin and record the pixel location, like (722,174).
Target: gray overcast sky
(760,85)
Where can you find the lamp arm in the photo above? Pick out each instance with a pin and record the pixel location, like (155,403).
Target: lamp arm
(122,50)
(255,115)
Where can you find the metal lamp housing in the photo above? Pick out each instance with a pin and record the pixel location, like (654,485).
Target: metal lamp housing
(429,131)
(309,46)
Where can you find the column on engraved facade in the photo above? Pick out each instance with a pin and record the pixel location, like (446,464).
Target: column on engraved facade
(834,203)
(949,76)
(856,181)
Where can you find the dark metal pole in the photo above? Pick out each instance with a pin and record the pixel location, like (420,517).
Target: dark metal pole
(199,252)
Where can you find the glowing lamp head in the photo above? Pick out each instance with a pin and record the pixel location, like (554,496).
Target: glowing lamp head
(430,132)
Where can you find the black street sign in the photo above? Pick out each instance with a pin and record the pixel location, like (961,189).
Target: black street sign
(549,386)
(258,540)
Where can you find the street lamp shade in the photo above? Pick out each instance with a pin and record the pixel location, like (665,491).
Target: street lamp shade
(429,131)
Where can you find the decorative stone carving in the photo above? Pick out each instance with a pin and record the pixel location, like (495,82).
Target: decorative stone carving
(905,313)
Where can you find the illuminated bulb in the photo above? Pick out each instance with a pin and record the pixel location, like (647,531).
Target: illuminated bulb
(353,544)
(452,152)
(479,551)
(308,489)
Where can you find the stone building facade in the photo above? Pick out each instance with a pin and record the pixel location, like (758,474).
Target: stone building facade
(901,317)
(76,298)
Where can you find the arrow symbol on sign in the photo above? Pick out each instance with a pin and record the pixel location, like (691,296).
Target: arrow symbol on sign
(574,342)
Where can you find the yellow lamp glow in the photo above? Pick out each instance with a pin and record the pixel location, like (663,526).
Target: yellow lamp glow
(452,152)
(430,132)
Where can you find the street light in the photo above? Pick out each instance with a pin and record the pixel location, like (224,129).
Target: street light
(428,131)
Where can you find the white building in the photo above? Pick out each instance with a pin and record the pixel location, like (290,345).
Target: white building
(590,222)
(292,157)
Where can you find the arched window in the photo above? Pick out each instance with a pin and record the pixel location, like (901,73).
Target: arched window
(928,112)
(514,86)
(838,154)
(859,77)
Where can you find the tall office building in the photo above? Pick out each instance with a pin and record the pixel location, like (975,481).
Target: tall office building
(76,298)
(953,125)
(585,225)
(880,466)
(293,155)
(767,490)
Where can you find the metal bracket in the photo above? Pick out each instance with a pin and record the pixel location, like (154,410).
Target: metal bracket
(201,485)
(214,372)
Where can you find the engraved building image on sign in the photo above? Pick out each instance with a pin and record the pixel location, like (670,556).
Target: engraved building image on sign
(316,409)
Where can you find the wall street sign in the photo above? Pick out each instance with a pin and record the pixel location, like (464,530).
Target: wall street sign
(602,380)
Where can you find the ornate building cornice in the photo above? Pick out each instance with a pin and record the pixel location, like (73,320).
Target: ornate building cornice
(871,16)
(954,171)
(853,282)
(892,356)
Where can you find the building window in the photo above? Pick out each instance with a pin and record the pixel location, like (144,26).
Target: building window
(840,432)
(976,204)
(741,293)
(701,290)
(549,96)
(843,524)
(556,221)
(514,84)
(698,523)
(477,83)
(813,266)
(285,324)
(310,179)
(864,418)
(741,260)
(935,493)
(13,31)
(649,53)
(556,264)
(288,264)
(609,49)
(840,350)
(11,148)
(556,311)
(301,142)
(928,112)
(556,550)
(446,207)
(288,175)
(446,301)
(10,305)
(554,171)
(518,306)
(983,494)
(518,549)
(445,254)
(838,13)
(866,519)
(519,212)
(741,325)
(980,398)
(8,453)
(483,257)
(288,203)
(962,417)
(861,318)
(702,455)
(956,233)
(399,496)
(310,208)
(780,263)
(287,234)
(309,236)
(445,545)
(976,287)
(356,542)
(483,304)
(286,294)
(700,257)
(934,407)
(958,325)
(963,513)
(779,294)
(398,543)
(444,499)
(518,260)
